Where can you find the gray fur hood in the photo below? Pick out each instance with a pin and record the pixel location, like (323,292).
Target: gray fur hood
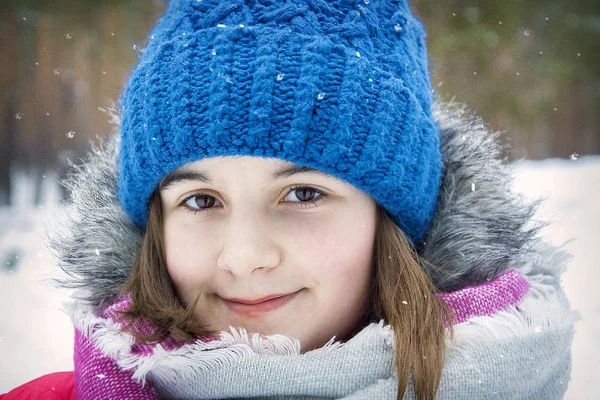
(481,227)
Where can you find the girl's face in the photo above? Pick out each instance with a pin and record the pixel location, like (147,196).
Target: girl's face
(239,229)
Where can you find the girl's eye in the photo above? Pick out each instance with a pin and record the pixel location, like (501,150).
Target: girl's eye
(200,202)
(306,195)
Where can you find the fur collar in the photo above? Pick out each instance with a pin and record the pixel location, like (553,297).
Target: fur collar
(480,229)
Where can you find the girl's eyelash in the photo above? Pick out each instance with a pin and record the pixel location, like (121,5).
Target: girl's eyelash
(302,204)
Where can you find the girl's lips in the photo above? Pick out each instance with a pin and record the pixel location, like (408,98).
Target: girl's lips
(259,308)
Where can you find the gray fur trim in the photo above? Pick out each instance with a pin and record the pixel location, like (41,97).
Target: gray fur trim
(95,242)
(475,234)
(480,223)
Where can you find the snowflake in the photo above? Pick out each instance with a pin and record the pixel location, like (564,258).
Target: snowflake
(574,156)
(69,35)
(320,96)
(57,72)
(473,187)
(526,32)
(358,54)
(404,302)
(397,27)
(18,116)
(279,77)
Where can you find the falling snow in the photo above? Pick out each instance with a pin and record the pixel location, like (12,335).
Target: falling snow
(538,329)
(358,54)
(397,27)
(213,52)
(69,35)
(279,76)
(57,72)
(101,376)
(526,32)
(574,156)
(473,187)
(71,134)
(404,302)
(321,96)
(18,116)
(97,252)
(221,26)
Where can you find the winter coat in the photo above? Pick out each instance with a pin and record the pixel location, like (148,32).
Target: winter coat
(55,386)
(512,340)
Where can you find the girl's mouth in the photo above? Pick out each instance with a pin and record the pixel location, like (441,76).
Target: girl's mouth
(257,307)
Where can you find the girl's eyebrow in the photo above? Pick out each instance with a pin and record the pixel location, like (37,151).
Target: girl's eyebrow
(183,174)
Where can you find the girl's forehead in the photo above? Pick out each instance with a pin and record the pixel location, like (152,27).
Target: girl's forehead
(239,160)
(213,170)
(272,168)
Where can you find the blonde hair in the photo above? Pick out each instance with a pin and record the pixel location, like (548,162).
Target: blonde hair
(402,294)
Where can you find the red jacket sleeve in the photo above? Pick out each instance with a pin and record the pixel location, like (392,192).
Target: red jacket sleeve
(55,386)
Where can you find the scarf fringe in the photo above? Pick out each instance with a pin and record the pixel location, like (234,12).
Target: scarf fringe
(108,337)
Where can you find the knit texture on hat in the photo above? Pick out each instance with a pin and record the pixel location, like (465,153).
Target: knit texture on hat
(340,86)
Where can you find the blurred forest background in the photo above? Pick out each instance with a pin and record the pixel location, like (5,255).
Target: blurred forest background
(528,68)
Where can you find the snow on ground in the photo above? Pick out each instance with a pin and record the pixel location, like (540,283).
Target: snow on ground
(574,209)
(36,336)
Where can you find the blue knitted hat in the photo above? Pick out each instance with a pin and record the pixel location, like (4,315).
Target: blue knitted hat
(340,86)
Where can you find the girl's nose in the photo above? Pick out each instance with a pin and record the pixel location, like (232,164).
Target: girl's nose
(247,246)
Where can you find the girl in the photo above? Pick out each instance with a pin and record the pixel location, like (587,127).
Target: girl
(285,213)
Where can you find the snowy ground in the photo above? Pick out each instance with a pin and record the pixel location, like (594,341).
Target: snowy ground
(36,336)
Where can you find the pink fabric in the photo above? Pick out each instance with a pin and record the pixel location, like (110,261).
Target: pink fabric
(99,377)
(489,298)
